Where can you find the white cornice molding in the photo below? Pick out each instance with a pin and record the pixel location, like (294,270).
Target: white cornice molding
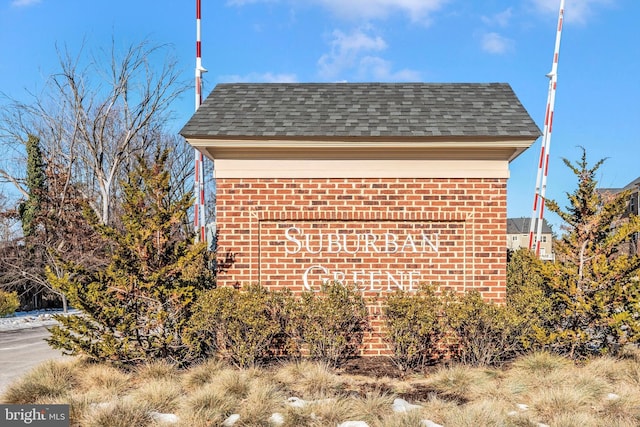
(360,148)
(238,169)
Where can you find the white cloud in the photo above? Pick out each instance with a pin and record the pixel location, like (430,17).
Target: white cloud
(495,43)
(24,3)
(501,19)
(575,10)
(347,50)
(260,78)
(353,52)
(379,69)
(418,10)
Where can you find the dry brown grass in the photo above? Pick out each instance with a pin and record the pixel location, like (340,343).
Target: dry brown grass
(484,412)
(540,388)
(327,412)
(202,374)
(159,370)
(621,409)
(207,406)
(161,395)
(308,380)
(263,399)
(121,413)
(50,381)
(541,363)
(104,380)
(463,384)
(373,407)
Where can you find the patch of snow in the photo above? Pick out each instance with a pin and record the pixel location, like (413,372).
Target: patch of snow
(101,405)
(30,319)
(401,406)
(612,396)
(296,402)
(429,423)
(164,418)
(231,420)
(522,406)
(276,419)
(353,424)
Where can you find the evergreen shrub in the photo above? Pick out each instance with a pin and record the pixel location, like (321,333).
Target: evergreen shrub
(484,332)
(249,326)
(528,296)
(137,308)
(423,327)
(414,326)
(593,282)
(329,325)
(9,303)
(242,326)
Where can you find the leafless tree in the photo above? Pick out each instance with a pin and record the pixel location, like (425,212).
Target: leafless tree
(94,117)
(8,222)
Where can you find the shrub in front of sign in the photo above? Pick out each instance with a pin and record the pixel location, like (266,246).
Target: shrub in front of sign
(414,326)
(9,303)
(484,333)
(242,326)
(329,325)
(422,327)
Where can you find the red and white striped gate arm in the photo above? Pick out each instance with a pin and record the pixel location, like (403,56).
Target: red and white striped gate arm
(199,222)
(537,216)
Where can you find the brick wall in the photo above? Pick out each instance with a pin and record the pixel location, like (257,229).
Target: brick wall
(381,234)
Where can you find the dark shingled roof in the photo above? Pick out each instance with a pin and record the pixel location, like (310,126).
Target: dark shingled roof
(633,185)
(361,110)
(521,226)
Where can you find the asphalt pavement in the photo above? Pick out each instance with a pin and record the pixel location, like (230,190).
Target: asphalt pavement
(21,350)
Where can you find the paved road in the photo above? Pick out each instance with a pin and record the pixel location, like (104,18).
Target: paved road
(21,350)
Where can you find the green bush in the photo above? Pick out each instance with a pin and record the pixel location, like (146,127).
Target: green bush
(414,326)
(527,296)
(485,333)
(9,303)
(241,326)
(136,308)
(249,326)
(329,325)
(593,282)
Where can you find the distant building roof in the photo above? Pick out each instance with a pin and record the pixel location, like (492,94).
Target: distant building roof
(287,110)
(633,185)
(522,225)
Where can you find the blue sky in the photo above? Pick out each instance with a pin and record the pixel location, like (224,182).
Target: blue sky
(379,40)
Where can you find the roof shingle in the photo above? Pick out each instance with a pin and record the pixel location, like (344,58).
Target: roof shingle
(521,226)
(361,110)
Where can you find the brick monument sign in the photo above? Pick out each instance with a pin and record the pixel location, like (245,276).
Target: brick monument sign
(382,185)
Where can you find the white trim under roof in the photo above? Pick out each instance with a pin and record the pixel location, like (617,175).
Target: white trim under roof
(244,168)
(355,149)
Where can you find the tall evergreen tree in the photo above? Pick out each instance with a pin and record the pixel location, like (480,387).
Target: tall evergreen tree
(35,181)
(594,281)
(138,307)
